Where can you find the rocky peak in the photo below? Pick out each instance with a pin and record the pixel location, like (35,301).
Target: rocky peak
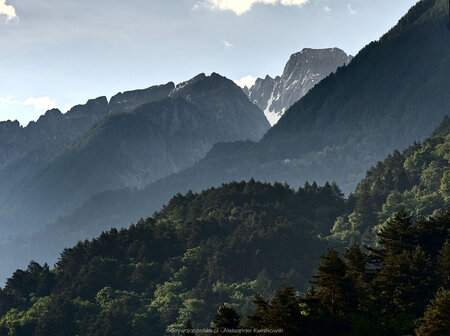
(302,72)
(128,101)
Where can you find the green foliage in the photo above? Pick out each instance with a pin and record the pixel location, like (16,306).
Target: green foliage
(201,250)
(380,291)
(436,321)
(416,181)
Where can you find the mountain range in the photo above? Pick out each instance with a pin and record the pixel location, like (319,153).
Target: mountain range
(239,243)
(303,71)
(341,128)
(130,147)
(338,130)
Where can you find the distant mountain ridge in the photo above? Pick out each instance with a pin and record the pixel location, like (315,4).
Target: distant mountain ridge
(303,71)
(357,126)
(24,150)
(136,147)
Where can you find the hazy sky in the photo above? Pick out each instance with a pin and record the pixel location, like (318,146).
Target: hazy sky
(63,52)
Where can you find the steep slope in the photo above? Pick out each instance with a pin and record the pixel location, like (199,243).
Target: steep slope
(416,181)
(394,92)
(136,148)
(302,72)
(192,249)
(358,94)
(24,150)
(129,100)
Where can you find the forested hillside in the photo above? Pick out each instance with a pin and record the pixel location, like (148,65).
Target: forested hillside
(204,257)
(340,129)
(133,149)
(416,181)
(201,249)
(385,99)
(400,287)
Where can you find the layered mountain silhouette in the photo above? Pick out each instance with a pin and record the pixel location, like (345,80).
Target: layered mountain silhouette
(303,71)
(24,150)
(134,146)
(392,94)
(385,99)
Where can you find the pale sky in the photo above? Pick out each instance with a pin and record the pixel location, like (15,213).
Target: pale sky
(58,53)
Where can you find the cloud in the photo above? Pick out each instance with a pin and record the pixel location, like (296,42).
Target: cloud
(227,44)
(350,9)
(40,104)
(7,10)
(327,9)
(241,6)
(246,81)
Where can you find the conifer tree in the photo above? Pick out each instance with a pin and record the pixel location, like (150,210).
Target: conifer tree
(357,274)
(333,286)
(356,262)
(402,277)
(284,312)
(257,319)
(436,320)
(226,318)
(395,237)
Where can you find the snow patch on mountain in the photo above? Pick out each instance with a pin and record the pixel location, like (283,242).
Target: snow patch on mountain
(302,72)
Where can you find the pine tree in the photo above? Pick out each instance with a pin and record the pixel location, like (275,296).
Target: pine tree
(436,320)
(356,262)
(357,273)
(333,286)
(402,277)
(257,319)
(226,318)
(284,312)
(395,237)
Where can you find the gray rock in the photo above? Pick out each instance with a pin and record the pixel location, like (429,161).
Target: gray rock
(303,71)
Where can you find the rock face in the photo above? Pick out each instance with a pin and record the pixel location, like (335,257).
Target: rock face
(132,147)
(128,101)
(303,71)
(25,150)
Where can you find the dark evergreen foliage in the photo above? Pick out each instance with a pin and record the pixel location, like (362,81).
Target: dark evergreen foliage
(402,292)
(200,251)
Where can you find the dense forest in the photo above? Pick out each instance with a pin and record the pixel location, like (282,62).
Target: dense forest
(224,244)
(416,181)
(399,287)
(341,128)
(223,258)
(262,258)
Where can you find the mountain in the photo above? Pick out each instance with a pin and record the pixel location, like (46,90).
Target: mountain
(237,244)
(24,150)
(136,148)
(385,99)
(342,127)
(303,71)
